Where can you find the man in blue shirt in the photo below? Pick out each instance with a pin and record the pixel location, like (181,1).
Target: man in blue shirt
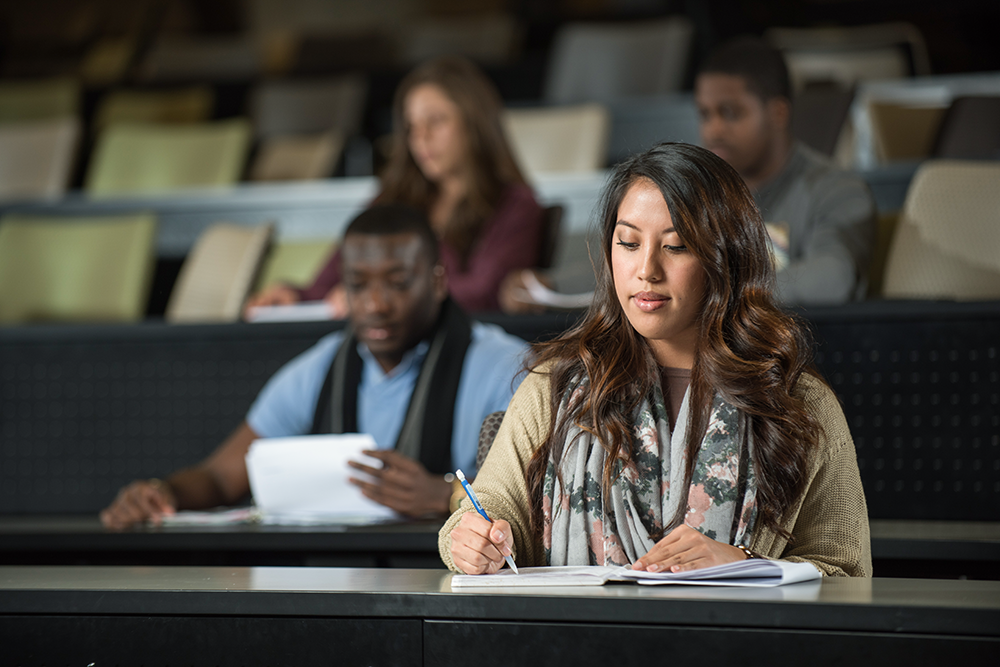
(414,373)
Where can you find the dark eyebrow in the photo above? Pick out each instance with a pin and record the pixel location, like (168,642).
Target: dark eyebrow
(623,223)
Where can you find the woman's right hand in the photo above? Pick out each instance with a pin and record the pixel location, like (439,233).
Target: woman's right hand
(141,500)
(478,546)
(275,295)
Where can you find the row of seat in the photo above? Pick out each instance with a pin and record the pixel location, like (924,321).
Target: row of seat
(945,244)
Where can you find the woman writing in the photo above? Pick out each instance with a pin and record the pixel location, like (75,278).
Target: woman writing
(680,424)
(450,158)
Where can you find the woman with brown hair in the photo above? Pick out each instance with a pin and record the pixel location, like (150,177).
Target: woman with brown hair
(680,424)
(450,159)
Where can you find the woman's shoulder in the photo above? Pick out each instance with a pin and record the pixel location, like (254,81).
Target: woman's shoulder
(823,404)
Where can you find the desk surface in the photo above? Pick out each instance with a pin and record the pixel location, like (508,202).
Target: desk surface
(323,616)
(870,605)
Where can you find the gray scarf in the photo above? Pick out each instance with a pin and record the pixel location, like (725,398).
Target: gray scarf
(721,498)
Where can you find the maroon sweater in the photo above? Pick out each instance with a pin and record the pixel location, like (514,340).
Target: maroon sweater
(511,239)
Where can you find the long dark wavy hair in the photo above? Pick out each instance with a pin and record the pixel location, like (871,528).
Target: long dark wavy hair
(749,351)
(491,164)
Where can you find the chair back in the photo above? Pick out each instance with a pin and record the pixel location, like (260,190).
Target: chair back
(551,226)
(183,105)
(88,269)
(294,262)
(818,116)
(209,59)
(38,100)
(639,123)
(903,131)
(297,158)
(594,62)
(132,158)
(37,157)
(970,129)
(309,106)
(846,55)
(947,243)
(559,139)
(487,37)
(218,273)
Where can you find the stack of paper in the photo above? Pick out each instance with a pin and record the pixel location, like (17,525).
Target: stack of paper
(756,572)
(304,480)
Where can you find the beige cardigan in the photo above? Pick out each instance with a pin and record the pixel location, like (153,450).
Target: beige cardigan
(829,524)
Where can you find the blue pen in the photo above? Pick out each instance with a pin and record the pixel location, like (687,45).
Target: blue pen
(482,512)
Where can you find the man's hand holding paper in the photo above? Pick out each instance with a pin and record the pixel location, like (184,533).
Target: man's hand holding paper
(306,478)
(402,484)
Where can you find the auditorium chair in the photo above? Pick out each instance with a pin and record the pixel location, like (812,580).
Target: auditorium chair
(138,158)
(947,242)
(218,273)
(87,269)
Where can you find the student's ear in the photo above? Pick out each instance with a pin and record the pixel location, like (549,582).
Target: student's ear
(440,284)
(780,111)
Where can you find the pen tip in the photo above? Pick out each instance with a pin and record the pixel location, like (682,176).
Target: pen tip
(460,475)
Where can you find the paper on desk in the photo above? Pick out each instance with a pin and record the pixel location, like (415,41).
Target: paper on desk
(753,572)
(303,479)
(304,311)
(221,517)
(536,292)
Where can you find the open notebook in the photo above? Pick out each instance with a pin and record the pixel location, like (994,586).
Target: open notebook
(751,572)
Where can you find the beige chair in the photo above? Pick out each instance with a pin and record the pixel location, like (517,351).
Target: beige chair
(846,55)
(182,105)
(218,273)
(294,262)
(559,139)
(38,100)
(36,157)
(88,269)
(297,158)
(947,242)
(132,158)
(902,132)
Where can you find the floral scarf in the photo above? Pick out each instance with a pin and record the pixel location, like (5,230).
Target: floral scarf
(647,492)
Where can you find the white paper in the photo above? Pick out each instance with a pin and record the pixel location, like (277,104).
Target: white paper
(223,517)
(753,572)
(303,479)
(758,572)
(535,292)
(559,575)
(304,311)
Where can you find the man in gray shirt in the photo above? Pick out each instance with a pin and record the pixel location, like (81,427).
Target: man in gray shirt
(821,219)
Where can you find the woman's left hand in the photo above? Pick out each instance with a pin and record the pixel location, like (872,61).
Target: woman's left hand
(684,548)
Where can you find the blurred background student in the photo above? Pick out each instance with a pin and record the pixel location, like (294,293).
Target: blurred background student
(450,158)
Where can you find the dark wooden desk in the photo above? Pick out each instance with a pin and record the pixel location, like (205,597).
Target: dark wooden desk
(81,540)
(306,616)
(927,549)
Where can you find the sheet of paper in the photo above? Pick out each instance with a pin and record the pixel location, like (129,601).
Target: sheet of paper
(304,311)
(222,517)
(754,572)
(538,293)
(303,479)
(569,575)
